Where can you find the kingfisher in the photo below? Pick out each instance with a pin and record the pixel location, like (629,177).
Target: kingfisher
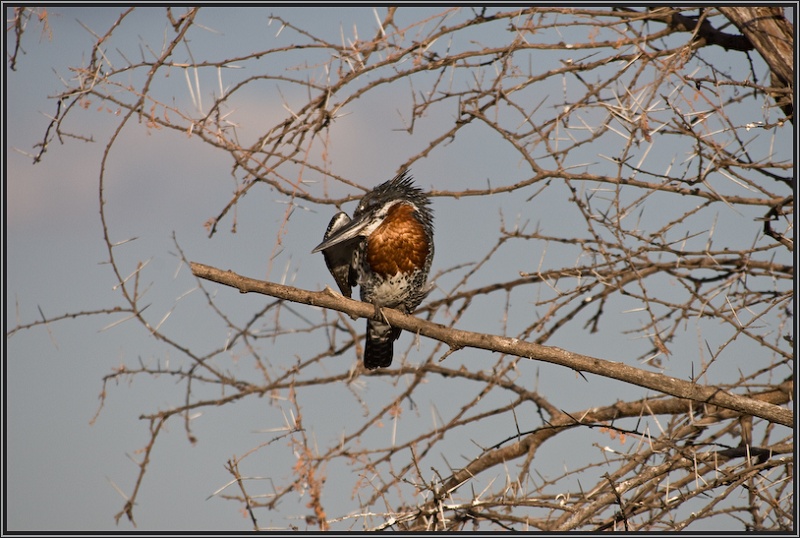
(386,249)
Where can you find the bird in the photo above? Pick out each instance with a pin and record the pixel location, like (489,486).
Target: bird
(339,258)
(387,250)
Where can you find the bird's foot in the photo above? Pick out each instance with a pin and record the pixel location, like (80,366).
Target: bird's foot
(380,316)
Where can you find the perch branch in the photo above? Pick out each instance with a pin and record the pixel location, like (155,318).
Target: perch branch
(512,346)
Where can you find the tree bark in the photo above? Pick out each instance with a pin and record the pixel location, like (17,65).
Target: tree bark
(772,35)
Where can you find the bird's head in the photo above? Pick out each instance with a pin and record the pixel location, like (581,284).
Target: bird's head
(377,205)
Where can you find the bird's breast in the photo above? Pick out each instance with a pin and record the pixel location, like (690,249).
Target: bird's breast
(399,244)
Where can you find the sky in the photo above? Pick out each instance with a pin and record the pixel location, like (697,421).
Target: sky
(68,467)
(69,459)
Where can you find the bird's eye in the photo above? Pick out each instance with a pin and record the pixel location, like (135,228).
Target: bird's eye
(367,205)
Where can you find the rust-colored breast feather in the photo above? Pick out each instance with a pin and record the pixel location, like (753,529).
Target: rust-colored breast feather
(398,244)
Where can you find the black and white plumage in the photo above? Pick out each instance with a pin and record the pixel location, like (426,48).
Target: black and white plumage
(387,250)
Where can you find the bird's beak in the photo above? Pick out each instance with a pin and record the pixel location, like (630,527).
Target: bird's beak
(349,231)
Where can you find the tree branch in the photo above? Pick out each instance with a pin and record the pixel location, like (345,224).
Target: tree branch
(772,35)
(458,339)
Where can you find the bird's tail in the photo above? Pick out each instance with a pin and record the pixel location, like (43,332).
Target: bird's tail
(380,344)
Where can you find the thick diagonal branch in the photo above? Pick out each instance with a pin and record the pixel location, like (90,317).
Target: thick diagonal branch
(772,36)
(512,346)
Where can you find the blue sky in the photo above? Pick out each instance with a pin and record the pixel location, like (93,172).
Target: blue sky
(63,473)
(66,461)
